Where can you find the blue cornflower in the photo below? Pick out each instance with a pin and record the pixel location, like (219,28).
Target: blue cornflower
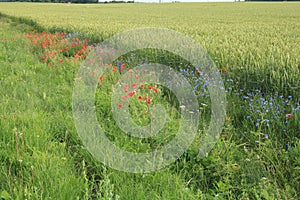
(120,65)
(286,145)
(196,86)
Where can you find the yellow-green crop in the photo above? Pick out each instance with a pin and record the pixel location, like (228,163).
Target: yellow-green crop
(261,40)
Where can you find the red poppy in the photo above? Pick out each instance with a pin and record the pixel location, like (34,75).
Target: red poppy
(126,88)
(148,101)
(120,105)
(133,85)
(140,97)
(100,78)
(155,90)
(114,69)
(3,39)
(149,87)
(77,56)
(123,98)
(225,71)
(289,115)
(131,93)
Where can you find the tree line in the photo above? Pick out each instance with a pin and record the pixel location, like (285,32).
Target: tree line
(69,1)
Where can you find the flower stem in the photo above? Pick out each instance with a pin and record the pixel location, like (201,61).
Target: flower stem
(151,141)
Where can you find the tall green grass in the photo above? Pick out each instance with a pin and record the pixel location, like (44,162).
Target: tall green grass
(42,157)
(33,164)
